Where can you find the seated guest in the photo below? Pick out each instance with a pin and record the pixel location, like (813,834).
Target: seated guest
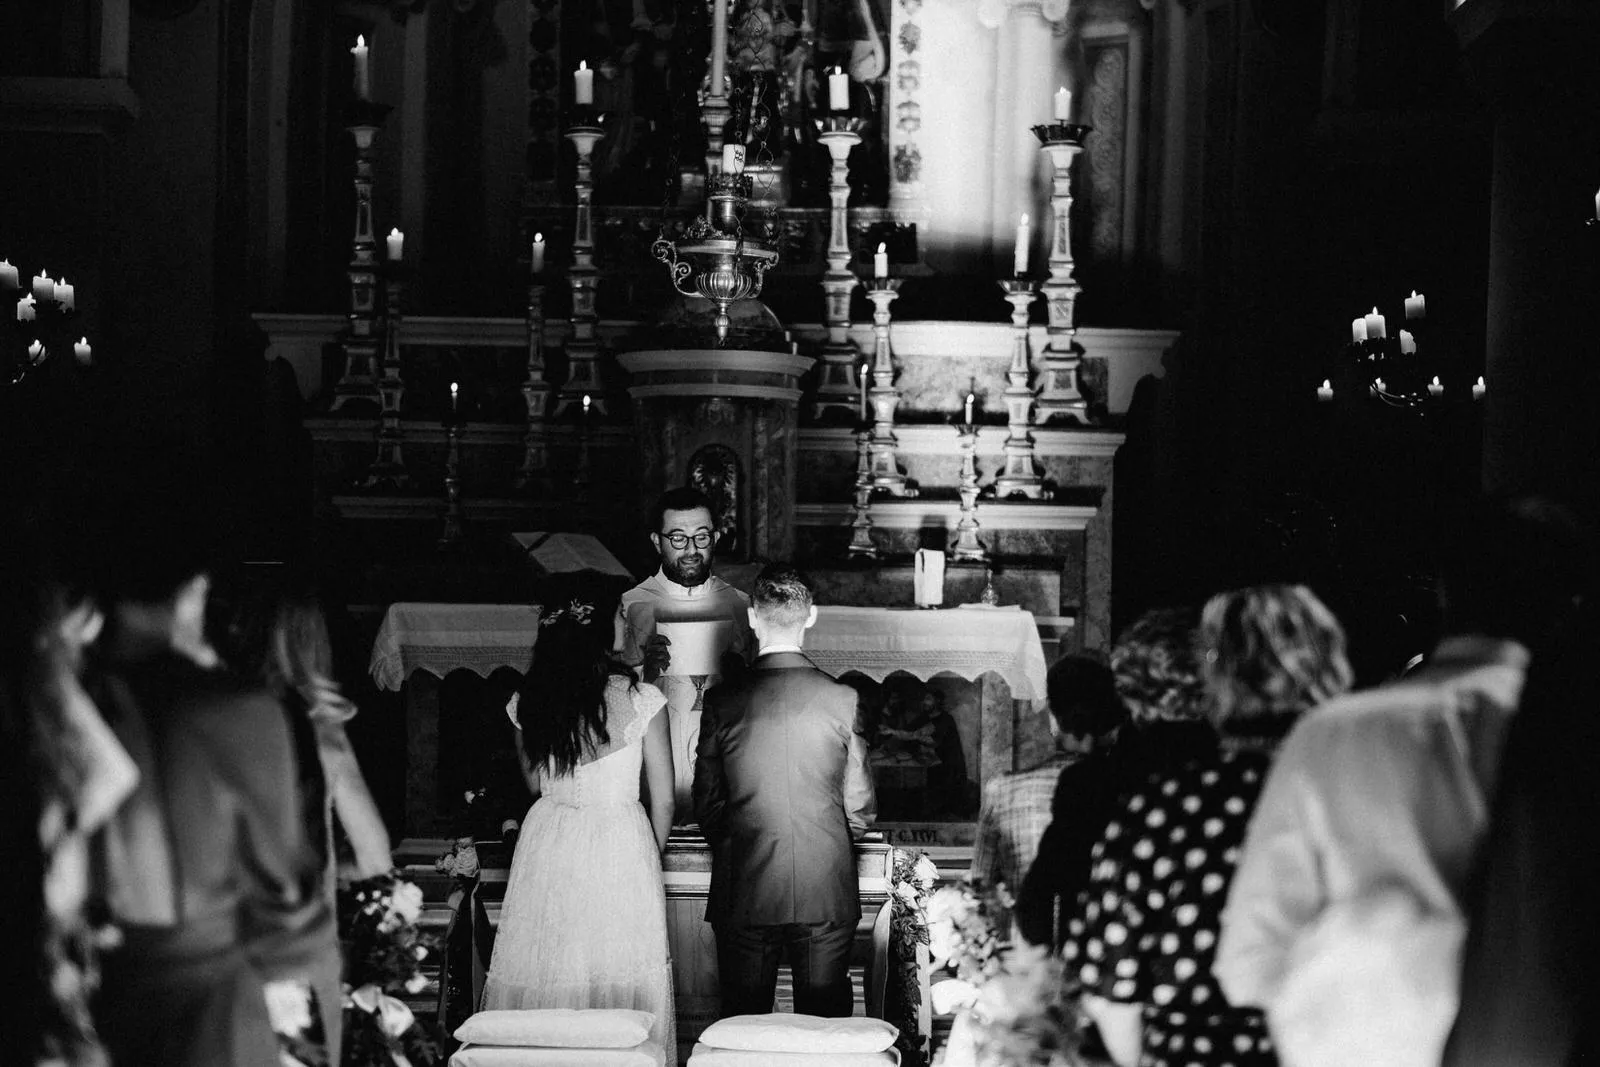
(1371,819)
(1530,981)
(1156,675)
(1159,874)
(62,774)
(212,868)
(1084,713)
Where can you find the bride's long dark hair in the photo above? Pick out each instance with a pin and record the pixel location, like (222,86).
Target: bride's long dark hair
(561,703)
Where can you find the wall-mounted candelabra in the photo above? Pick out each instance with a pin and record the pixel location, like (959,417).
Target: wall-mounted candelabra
(359,383)
(1020,476)
(583,348)
(883,395)
(966,545)
(1060,395)
(44,324)
(1404,371)
(536,396)
(840,133)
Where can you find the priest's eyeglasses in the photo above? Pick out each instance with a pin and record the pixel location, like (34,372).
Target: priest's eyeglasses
(701,539)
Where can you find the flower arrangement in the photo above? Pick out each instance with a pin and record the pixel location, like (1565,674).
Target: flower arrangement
(383,953)
(965,931)
(911,880)
(1025,1015)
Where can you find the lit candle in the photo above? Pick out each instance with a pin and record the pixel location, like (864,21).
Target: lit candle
(1358,329)
(583,84)
(733,159)
(1597,206)
(538,252)
(839,90)
(25,312)
(66,296)
(1325,391)
(719,45)
(1379,385)
(36,352)
(1024,233)
(1434,388)
(8,275)
(880,261)
(586,402)
(363,75)
(1478,388)
(83,352)
(43,287)
(1063,104)
(455,397)
(864,375)
(397,243)
(967,418)
(1375,326)
(1408,343)
(1416,306)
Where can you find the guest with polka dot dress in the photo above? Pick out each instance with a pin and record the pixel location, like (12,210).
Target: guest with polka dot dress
(1146,933)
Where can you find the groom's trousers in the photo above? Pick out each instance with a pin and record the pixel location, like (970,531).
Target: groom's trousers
(818,956)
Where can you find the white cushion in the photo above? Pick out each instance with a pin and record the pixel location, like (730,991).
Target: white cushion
(706,1056)
(799,1033)
(644,1054)
(557,1027)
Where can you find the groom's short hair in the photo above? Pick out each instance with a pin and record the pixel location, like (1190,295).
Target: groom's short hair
(781,595)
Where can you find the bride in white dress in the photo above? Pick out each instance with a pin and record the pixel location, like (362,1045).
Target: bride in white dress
(584,920)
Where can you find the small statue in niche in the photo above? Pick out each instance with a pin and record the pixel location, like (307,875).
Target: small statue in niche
(714,470)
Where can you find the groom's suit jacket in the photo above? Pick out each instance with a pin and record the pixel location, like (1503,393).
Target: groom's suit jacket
(782,791)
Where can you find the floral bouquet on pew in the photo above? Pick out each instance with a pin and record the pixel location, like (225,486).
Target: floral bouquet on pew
(383,955)
(912,877)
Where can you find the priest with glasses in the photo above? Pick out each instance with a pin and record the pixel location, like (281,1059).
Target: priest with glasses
(682,623)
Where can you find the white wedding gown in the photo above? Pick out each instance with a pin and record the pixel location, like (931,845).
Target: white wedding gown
(584,922)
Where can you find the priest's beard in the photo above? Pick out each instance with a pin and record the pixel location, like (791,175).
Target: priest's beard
(690,570)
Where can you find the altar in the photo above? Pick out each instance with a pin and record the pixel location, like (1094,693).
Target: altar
(988,664)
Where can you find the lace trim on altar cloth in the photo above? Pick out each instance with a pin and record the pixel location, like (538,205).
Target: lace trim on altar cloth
(878,664)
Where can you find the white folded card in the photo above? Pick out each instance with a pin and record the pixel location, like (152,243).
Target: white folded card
(696,646)
(928,579)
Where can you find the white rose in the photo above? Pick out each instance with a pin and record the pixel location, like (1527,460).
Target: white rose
(288,1006)
(416,983)
(406,902)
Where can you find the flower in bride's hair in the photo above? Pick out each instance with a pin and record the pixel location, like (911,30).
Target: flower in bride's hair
(577,611)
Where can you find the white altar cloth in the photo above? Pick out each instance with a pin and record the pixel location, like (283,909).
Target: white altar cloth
(966,641)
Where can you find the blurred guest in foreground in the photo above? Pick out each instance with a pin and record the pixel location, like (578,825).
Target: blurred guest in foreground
(1344,921)
(1530,982)
(212,868)
(62,774)
(1161,868)
(275,635)
(1156,674)
(1084,714)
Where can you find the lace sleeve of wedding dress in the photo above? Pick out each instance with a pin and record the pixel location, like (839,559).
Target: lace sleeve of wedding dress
(647,702)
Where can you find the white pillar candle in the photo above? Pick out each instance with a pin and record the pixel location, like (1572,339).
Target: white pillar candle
(586,402)
(880,262)
(583,84)
(1416,306)
(1597,205)
(363,78)
(397,244)
(1325,391)
(538,252)
(1024,234)
(1434,388)
(1063,104)
(719,45)
(967,418)
(9,278)
(733,159)
(1478,388)
(25,312)
(865,374)
(1408,343)
(1358,329)
(1376,330)
(66,296)
(83,352)
(455,397)
(838,90)
(43,287)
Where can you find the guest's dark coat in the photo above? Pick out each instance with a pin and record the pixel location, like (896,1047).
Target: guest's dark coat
(1086,794)
(211,869)
(781,791)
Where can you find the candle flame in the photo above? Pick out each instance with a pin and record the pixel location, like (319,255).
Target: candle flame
(455,390)
(538,238)
(1024,220)
(882,247)
(361,41)
(1435,379)
(583,64)
(586,401)
(1374,311)
(1326,384)
(1413,294)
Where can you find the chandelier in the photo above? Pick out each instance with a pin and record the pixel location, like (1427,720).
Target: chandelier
(1398,371)
(39,324)
(716,259)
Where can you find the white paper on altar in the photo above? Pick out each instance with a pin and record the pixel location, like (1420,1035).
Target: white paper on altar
(696,645)
(928,578)
(569,553)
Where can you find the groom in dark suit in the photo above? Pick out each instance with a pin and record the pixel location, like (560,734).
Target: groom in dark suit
(782,791)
